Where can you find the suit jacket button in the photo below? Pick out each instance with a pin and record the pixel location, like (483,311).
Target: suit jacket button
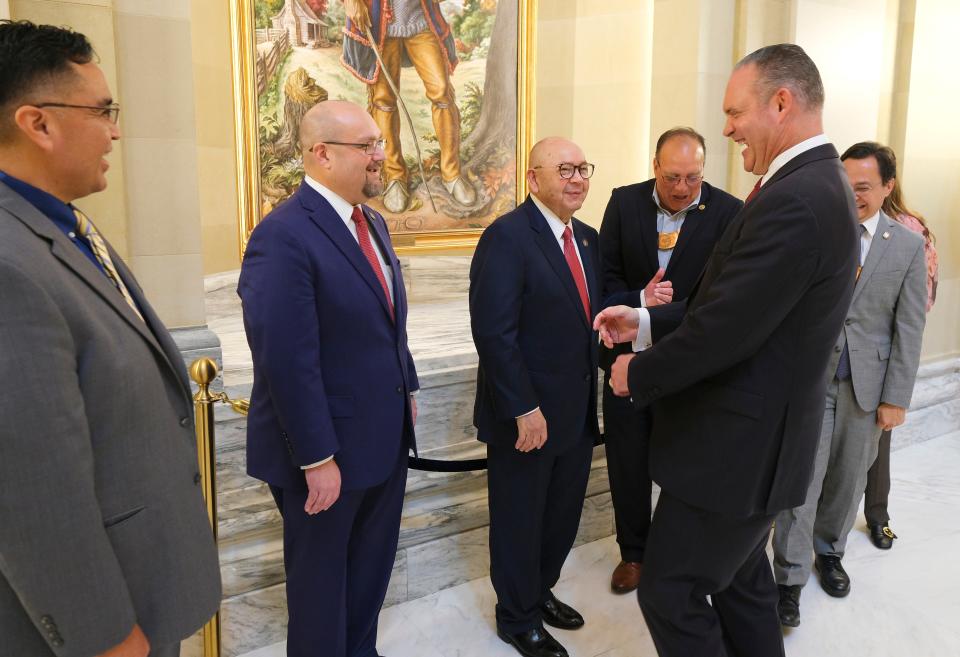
(400,390)
(837,349)
(184,421)
(47,621)
(56,641)
(586,377)
(196,478)
(848,321)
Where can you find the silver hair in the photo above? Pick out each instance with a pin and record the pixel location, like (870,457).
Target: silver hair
(786,65)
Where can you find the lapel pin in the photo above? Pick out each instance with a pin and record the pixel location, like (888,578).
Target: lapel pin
(585,242)
(886,235)
(701,207)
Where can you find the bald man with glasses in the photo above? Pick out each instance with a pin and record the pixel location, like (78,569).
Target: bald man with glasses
(332,408)
(534,288)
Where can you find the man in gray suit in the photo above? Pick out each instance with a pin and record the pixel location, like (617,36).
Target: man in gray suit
(105,546)
(871,376)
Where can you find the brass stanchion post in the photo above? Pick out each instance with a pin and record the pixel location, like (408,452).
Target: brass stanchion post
(203,371)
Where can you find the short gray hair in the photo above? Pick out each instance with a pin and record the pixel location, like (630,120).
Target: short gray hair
(786,65)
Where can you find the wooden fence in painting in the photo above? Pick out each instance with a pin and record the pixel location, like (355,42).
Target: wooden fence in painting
(267,62)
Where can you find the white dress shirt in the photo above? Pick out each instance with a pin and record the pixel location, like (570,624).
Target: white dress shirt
(866,236)
(644,339)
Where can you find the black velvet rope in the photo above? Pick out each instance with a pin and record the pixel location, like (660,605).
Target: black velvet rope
(467,465)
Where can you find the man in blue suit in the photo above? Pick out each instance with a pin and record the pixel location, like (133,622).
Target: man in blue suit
(332,411)
(534,283)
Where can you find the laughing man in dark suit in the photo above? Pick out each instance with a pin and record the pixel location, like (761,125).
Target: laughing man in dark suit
(737,370)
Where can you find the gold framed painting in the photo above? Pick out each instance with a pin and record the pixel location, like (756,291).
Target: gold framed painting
(449,83)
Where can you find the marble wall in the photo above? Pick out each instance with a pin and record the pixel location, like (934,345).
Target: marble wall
(444,527)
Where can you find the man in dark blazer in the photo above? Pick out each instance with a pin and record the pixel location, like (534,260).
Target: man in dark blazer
(655,238)
(332,412)
(533,282)
(105,543)
(737,371)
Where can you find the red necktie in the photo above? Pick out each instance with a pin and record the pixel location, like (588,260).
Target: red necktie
(569,252)
(363,237)
(753,192)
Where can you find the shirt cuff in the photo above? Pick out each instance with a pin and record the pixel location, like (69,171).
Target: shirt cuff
(528,413)
(644,339)
(313,465)
(414,393)
(643,299)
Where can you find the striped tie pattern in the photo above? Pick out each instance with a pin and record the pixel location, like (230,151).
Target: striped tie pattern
(99,247)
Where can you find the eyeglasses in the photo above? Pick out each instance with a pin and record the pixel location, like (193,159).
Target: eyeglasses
(566,169)
(369,148)
(674,179)
(110,112)
(863,188)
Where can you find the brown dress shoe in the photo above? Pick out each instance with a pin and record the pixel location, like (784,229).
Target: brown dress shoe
(626,576)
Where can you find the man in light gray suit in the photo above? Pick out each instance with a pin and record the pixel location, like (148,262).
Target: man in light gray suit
(871,376)
(105,546)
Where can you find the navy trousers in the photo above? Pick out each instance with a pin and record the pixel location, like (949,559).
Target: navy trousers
(338,564)
(535,503)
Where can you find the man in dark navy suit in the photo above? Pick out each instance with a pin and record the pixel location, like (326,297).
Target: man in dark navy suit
(655,238)
(332,412)
(737,371)
(533,283)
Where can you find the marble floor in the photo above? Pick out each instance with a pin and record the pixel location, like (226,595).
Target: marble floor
(902,602)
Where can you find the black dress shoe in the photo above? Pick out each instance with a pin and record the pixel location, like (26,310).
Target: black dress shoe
(788,608)
(882,536)
(560,615)
(833,578)
(534,643)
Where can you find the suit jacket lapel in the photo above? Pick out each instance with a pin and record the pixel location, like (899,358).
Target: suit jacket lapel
(382,235)
(327,220)
(551,250)
(823,152)
(71,257)
(157,330)
(878,246)
(691,224)
(648,228)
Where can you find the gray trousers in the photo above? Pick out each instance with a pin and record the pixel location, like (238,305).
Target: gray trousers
(847,448)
